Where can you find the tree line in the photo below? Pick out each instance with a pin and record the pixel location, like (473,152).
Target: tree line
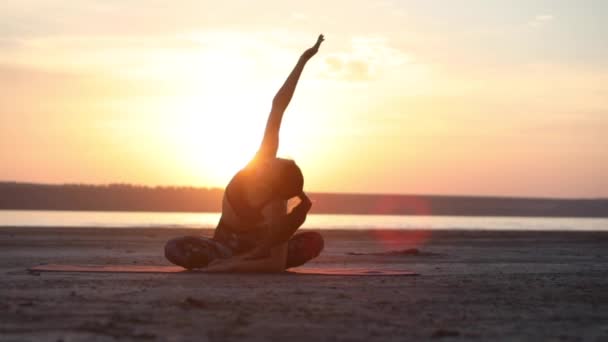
(128,197)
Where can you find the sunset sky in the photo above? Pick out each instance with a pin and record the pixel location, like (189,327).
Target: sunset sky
(481,97)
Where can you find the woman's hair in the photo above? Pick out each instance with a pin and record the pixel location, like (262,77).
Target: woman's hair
(291,182)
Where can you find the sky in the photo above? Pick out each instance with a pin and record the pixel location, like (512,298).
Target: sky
(486,97)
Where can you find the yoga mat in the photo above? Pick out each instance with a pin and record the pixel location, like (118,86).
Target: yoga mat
(177,269)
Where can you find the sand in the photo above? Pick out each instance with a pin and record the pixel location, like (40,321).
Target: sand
(474,285)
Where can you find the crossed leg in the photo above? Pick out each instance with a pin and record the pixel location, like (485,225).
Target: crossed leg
(197,252)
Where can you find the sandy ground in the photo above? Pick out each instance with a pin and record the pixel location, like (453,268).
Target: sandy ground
(486,286)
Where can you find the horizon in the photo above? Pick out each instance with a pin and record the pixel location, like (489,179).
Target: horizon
(160,186)
(477,99)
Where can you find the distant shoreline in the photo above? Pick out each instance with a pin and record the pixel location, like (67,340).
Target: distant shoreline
(122,198)
(312,211)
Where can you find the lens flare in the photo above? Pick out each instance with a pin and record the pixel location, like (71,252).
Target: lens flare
(394,239)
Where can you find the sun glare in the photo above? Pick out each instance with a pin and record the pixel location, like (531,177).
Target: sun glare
(217,121)
(214,139)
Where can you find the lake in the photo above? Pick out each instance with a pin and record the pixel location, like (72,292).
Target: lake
(44,218)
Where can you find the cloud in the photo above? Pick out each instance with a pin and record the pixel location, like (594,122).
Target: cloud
(347,69)
(171,57)
(540,20)
(32,90)
(368,58)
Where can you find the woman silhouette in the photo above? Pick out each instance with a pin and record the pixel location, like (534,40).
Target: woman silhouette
(255,233)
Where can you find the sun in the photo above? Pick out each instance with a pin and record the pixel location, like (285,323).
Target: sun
(215,139)
(217,122)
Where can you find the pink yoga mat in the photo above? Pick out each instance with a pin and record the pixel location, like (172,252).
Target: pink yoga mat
(177,269)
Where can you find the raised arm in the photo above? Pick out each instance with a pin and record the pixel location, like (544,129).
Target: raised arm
(270,142)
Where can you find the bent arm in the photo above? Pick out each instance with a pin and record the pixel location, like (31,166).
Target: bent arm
(283,229)
(271,254)
(270,142)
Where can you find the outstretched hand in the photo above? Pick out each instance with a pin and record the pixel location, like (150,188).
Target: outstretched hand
(314,49)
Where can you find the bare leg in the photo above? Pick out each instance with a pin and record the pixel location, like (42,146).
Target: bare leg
(303,247)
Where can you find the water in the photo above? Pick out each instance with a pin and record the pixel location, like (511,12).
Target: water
(43,218)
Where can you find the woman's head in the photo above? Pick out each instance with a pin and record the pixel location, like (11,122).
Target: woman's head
(291,180)
(276,179)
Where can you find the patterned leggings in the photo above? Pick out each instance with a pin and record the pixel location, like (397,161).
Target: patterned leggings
(197,252)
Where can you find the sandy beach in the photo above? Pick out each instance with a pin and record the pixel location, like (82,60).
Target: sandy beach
(473,285)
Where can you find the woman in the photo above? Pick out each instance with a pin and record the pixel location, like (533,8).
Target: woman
(255,232)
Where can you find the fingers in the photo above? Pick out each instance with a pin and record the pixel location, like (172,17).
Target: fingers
(303,197)
(319,41)
(315,48)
